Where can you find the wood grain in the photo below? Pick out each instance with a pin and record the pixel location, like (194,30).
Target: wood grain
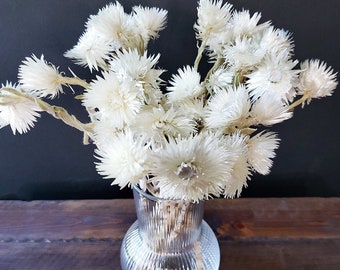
(275,233)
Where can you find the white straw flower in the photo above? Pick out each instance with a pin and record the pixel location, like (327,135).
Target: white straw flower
(185,85)
(124,159)
(92,50)
(129,64)
(39,78)
(269,110)
(316,80)
(112,23)
(220,79)
(243,25)
(227,107)
(275,75)
(158,124)
(276,40)
(213,17)
(191,168)
(240,172)
(261,151)
(149,21)
(112,100)
(18,112)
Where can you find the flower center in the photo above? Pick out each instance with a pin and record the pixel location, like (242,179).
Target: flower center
(186,170)
(275,76)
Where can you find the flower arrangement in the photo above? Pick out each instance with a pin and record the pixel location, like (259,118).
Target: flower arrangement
(194,137)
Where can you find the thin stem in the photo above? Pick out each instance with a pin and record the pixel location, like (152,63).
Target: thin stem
(74,81)
(297,102)
(199,54)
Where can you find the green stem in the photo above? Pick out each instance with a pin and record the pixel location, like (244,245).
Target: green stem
(199,54)
(297,102)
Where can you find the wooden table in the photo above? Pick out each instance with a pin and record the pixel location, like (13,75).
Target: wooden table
(275,233)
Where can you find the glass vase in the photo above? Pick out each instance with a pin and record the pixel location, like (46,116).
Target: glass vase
(169,234)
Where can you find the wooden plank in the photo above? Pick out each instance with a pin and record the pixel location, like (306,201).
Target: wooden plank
(235,254)
(312,218)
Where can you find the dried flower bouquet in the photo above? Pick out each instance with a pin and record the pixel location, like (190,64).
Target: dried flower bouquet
(194,137)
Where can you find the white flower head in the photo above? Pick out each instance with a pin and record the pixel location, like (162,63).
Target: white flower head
(185,85)
(149,21)
(220,79)
(269,110)
(124,158)
(157,124)
(235,143)
(128,64)
(227,107)
(213,17)
(316,80)
(39,78)
(112,100)
(92,50)
(275,75)
(244,52)
(18,112)
(112,23)
(276,40)
(243,25)
(191,168)
(261,151)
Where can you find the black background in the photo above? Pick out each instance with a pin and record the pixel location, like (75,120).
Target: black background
(50,161)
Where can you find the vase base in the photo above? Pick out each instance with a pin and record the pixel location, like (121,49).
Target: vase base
(205,254)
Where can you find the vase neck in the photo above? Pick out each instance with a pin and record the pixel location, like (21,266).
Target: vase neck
(167,225)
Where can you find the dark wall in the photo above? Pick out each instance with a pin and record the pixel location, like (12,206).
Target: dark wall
(50,161)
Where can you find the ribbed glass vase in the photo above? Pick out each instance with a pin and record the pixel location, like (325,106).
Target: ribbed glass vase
(169,235)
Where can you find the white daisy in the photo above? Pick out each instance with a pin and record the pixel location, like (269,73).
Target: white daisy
(316,80)
(275,75)
(149,21)
(227,108)
(261,151)
(112,100)
(269,110)
(39,78)
(18,112)
(92,50)
(240,172)
(185,85)
(213,17)
(191,168)
(124,159)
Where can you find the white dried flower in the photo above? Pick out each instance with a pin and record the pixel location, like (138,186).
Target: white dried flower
(128,64)
(92,50)
(18,112)
(191,168)
(269,110)
(213,17)
(124,158)
(220,79)
(112,100)
(275,75)
(157,124)
(261,151)
(227,107)
(149,21)
(240,172)
(112,23)
(185,85)
(39,78)
(276,40)
(243,25)
(316,80)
